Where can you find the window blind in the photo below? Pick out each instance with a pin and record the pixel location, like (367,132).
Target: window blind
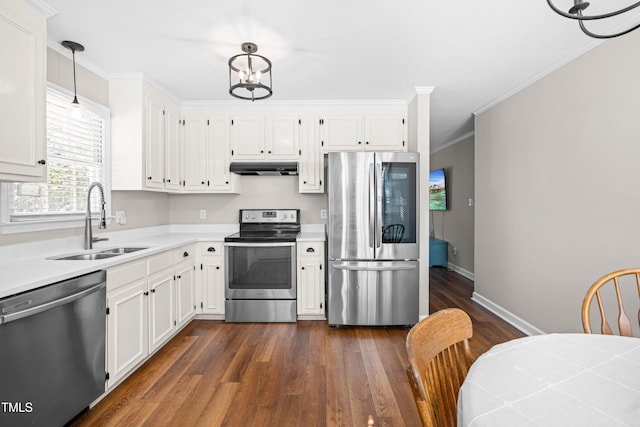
(75,158)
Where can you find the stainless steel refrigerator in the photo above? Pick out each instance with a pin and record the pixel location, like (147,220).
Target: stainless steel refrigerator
(373,235)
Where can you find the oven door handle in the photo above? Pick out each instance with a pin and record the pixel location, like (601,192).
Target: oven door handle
(260,245)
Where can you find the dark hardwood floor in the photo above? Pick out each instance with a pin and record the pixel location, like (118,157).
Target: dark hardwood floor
(303,374)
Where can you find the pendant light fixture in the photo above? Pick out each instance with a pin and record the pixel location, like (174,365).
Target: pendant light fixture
(575,12)
(250,74)
(75,105)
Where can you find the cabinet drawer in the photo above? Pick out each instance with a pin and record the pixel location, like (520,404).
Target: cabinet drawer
(211,249)
(127,273)
(160,262)
(310,248)
(184,253)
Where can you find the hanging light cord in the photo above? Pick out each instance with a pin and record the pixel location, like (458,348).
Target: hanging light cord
(576,13)
(75,93)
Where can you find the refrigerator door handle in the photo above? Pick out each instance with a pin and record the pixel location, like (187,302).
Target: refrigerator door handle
(387,267)
(378,207)
(372,206)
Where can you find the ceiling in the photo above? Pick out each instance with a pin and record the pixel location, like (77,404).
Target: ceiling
(472,52)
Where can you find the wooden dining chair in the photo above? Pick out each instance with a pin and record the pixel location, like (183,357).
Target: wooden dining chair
(439,358)
(615,280)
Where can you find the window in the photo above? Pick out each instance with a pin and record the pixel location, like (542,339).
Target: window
(77,155)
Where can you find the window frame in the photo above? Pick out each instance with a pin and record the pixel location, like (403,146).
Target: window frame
(56,221)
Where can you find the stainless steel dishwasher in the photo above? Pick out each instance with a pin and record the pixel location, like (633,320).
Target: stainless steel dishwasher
(52,351)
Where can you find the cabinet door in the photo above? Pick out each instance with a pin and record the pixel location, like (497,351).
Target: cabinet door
(247,138)
(220,179)
(161,308)
(341,133)
(173,150)
(385,133)
(155,144)
(185,293)
(310,280)
(126,329)
(22,97)
(283,137)
(213,285)
(195,152)
(311,164)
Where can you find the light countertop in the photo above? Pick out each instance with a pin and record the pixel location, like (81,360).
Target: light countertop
(28,266)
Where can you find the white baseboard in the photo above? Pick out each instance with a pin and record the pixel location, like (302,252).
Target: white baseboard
(461,271)
(506,315)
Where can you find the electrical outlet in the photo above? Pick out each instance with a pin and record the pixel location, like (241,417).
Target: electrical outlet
(455,250)
(121,217)
(203,214)
(323,213)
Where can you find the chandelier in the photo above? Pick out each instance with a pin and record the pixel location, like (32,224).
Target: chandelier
(250,74)
(576,13)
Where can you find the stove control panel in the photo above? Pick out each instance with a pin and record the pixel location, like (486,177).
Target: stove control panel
(281,216)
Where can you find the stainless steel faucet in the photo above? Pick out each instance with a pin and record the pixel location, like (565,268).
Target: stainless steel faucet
(88,234)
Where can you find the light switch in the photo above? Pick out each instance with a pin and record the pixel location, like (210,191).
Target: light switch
(203,214)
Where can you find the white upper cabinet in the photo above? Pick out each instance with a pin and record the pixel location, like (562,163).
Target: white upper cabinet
(143,132)
(341,133)
(23,94)
(283,137)
(207,153)
(374,130)
(173,153)
(155,143)
(385,133)
(195,151)
(311,164)
(247,138)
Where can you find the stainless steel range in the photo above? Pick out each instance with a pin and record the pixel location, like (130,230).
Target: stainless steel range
(261,267)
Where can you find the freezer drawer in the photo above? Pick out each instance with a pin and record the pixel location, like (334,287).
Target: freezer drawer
(375,293)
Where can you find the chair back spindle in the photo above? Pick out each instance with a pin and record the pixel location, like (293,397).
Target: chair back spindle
(615,279)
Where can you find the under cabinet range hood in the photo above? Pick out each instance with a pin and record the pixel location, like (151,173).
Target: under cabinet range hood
(265,169)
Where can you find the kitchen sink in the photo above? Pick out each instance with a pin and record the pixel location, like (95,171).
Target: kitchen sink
(104,254)
(122,250)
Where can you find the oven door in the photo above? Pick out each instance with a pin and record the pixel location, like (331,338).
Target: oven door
(260,270)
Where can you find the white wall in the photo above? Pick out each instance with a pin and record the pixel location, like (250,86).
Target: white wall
(455,225)
(558,186)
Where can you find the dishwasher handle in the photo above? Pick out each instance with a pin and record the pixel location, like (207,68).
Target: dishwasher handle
(49,305)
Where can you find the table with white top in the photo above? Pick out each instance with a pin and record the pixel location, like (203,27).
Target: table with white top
(554,380)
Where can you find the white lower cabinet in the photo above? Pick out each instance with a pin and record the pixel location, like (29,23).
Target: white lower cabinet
(148,301)
(127,319)
(161,308)
(212,279)
(311,285)
(185,293)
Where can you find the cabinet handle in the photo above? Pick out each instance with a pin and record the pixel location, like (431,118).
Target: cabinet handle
(367,142)
(42,162)
(185,254)
(202,182)
(310,250)
(302,268)
(146,294)
(359,142)
(149,178)
(269,151)
(261,151)
(179,277)
(217,268)
(211,249)
(304,182)
(226,182)
(168,180)
(153,291)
